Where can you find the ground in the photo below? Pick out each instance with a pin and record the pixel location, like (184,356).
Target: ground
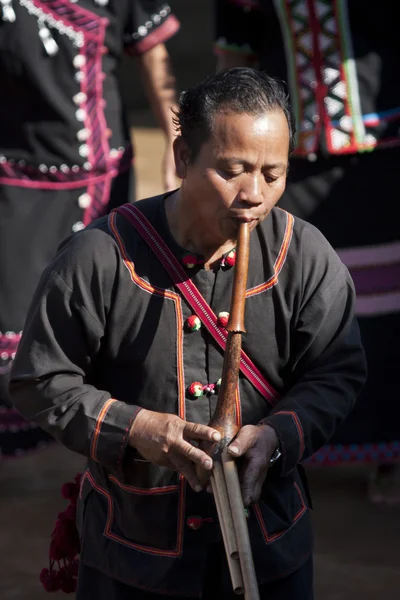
(357,553)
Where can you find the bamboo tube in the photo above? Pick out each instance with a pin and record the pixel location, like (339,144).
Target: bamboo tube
(227,530)
(241,529)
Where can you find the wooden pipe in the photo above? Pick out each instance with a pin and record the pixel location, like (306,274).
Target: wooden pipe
(224,479)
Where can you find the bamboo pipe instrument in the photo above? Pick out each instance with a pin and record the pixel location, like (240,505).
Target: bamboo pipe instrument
(224,478)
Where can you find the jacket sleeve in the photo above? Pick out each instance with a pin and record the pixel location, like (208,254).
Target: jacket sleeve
(64,332)
(150,22)
(329,372)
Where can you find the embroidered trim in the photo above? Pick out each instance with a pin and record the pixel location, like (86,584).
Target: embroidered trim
(275,536)
(193,296)
(87,32)
(337,454)
(165,31)
(167,489)
(117,538)
(280,259)
(181,387)
(299,428)
(8,347)
(97,429)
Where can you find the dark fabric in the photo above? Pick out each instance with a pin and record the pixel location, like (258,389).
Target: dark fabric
(33,222)
(352,200)
(107,336)
(93,585)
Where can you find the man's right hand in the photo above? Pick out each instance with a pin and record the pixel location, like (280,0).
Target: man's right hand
(165,440)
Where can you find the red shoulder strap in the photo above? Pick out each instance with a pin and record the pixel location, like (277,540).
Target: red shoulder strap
(193,297)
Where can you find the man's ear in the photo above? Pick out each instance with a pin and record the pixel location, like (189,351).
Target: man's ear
(181,155)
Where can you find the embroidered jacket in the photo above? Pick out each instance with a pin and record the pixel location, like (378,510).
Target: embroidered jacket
(63,56)
(340,59)
(108,333)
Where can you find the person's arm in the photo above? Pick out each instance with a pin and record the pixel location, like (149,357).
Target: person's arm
(56,364)
(159,84)
(52,372)
(151,24)
(238,33)
(328,372)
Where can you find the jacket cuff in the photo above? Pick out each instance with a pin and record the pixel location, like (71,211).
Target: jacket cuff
(291,439)
(111,431)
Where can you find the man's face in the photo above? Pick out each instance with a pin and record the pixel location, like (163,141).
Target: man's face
(239,173)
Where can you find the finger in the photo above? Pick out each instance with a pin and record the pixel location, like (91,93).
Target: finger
(186,468)
(195,455)
(244,440)
(197,431)
(254,473)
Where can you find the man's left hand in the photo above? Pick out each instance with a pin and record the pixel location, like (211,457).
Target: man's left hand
(256,444)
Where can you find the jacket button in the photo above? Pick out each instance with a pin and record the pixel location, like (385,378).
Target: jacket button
(193,323)
(195,523)
(223,318)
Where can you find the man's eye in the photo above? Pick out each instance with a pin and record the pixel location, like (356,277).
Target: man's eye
(270,178)
(230,174)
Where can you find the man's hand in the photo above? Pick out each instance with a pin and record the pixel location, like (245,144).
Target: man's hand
(164,440)
(256,444)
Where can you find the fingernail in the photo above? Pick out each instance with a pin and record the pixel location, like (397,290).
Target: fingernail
(234,449)
(216,436)
(198,488)
(207,464)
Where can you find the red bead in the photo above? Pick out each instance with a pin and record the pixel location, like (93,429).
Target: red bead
(195,523)
(230,260)
(193,323)
(223,318)
(190,260)
(195,389)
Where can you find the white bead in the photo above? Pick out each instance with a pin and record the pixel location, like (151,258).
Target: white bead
(80,114)
(84,201)
(53,169)
(142,30)
(114,153)
(75,168)
(3,159)
(87,166)
(79,98)
(64,168)
(79,76)
(4,355)
(101,2)
(156,19)
(79,61)
(43,168)
(84,150)
(83,134)
(77,226)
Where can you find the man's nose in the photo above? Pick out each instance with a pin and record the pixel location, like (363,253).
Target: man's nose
(250,192)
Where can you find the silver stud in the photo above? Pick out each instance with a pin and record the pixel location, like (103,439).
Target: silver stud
(80,98)
(84,201)
(83,134)
(77,226)
(79,61)
(80,114)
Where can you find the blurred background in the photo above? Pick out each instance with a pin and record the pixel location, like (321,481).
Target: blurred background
(357,542)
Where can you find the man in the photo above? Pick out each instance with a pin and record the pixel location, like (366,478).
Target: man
(114,363)
(65,154)
(338,58)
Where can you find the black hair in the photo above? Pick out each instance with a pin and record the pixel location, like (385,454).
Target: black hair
(237,90)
